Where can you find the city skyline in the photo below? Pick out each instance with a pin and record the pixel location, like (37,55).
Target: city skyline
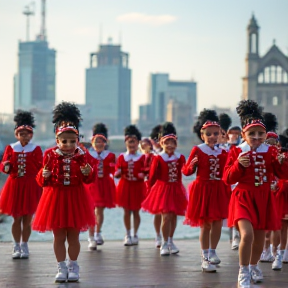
(201,39)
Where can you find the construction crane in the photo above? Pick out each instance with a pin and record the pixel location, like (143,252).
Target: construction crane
(28,11)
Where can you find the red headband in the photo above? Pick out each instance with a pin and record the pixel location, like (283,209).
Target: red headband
(210,123)
(23,127)
(272,135)
(171,136)
(67,128)
(99,135)
(253,123)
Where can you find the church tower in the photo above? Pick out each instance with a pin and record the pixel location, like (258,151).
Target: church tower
(266,77)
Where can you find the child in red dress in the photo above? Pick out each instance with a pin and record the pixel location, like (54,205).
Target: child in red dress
(131,190)
(20,195)
(167,194)
(272,139)
(154,137)
(224,122)
(103,189)
(252,206)
(65,206)
(208,194)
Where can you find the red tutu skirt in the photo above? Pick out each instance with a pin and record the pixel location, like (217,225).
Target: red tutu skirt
(282,199)
(64,207)
(166,197)
(208,202)
(20,196)
(103,192)
(130,194)
(256,204)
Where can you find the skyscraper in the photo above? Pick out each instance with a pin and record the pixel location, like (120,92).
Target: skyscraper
(108,87)
(34,84)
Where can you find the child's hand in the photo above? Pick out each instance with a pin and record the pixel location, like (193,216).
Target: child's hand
(194,162)
(117,174)
(244,161)
(7,167)
(281,157)
(141,175)
(46,173)
(86,170)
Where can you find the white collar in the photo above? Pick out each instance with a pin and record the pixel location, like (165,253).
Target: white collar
(263,148)
(17,147)
(166,157)
(207,150)
(133,157)
(100,156)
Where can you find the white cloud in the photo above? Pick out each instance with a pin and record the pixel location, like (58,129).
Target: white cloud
(142,18)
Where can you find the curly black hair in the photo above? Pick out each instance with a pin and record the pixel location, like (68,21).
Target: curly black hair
(132,130)
(155,132)
(166,129)
(101,129)
(249,110)
(66,112)
(270,121)
(204,116)
(225,121)
(24,118)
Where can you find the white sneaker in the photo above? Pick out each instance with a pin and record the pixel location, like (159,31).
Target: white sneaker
(16,253)
(24,251)
(158,241)
(213,258)
(267,256)
(285,257)
(207,266)
(244,277)
(236,239)
(277,264)
(62,274)
(235,243)
(256,274)
(99,239)
(128,241)
(164,249)
(92,245)
(173,248)
(135,240)
(73,271)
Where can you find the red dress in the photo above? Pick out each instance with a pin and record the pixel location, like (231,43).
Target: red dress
(103,190)
(131,190)
(252,198)
(208,195)
(167,193)
(65,203)
(148,162)
(21,193)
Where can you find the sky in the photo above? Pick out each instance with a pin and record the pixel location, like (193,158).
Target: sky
(204,40)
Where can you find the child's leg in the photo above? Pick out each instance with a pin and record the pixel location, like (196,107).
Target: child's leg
(26,230)
(283,240)
(73,243)
(99,218)
(157,223)
(275,241)
(127,221)
(257,246)
(204,237)
(267,240)
(17,229)
(245,247)
(136,221)
(215,233)
(166,225)
(173,225)
(59,244)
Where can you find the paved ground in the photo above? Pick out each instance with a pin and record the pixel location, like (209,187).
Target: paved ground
(114,265)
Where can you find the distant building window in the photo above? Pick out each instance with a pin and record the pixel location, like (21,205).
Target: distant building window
(253,43)
(275,101)
(273,74)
